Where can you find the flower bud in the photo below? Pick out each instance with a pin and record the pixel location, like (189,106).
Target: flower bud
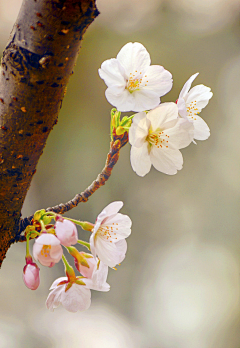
(66,232)
(31,274)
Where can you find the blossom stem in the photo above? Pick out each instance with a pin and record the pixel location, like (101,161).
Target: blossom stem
(27,246)
(87,245)
(118,142)
(42,224)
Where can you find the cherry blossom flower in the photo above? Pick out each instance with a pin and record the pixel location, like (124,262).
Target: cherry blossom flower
(156,138)
(31,274)
(47,249)
(97,272)
(191,102)
(134,85)
(74,296)
(108,238)
(66,232)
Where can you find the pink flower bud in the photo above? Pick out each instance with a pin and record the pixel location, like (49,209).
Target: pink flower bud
(66,232)
(31,275)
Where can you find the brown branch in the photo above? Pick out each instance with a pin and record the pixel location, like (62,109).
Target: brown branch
(112,158)
(36,66)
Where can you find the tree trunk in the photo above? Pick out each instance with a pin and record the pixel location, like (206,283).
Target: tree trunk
(36,66)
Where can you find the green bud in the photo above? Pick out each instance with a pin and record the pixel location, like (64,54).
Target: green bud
(38,214)
(47,219)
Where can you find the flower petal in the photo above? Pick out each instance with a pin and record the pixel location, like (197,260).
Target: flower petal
(182,110)
(123,100)
(163,113)
(111,253)
(187,86)
(167,161)
(201,94)
(113,73)
(76,298)
(201,129)
(180,133)
(56,282)
(140,160)
(157,79)
(54,297)
(139,129)
(134,56)
(145,99)
(47,239)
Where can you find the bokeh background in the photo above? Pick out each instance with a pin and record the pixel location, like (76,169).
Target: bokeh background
(179,284)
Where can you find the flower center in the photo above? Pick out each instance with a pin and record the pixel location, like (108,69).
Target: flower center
(107,232)
(46,250)
(192,110)
(158,138)
(134,83)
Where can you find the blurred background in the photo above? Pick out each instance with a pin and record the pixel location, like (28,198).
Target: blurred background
(179,284)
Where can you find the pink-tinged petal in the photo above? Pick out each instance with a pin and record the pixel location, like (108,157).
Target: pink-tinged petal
(157,79)
(179,133)
(145,99)
(182,110)
(54,297)
(201,129)
(200,95)
(66,232)
(139,129)
(140,160)
(56,253)
(47,239)
(76,298)
(187,86)
(88,271)
(163,113)
(99,277)
(167,161)
(57,281)
(134,57)
(112,73)
(123,100)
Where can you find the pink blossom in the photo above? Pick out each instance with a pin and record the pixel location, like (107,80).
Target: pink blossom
(66,232)
(31,275)
(74,296)
(47,249)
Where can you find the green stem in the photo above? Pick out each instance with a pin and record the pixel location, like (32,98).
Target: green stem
(42,224)
(27,246)
(87,245)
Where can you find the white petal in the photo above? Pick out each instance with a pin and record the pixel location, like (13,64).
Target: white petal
(99,277)
(47,239)
(145,99)
(92,244)
(140,159)
(76,298)
(54,297)
(157,79)
(201,129)
(112,73)
(182,110)
(187,86)
(109,253)
(134,56)
(201,94)
(163,113)
(57,281)
(139,129)
(180,133)
(167,161)
(123,100)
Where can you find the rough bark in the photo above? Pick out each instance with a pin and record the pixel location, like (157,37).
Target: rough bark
(36,66)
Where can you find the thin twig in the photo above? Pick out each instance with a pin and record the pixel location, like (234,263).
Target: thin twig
(112,158)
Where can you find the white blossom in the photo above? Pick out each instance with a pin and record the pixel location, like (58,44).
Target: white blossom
(134,85)
(156,138)
(108,238)
(191,102)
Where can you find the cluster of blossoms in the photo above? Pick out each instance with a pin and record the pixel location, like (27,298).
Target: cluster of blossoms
(107,245)
(157,131)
